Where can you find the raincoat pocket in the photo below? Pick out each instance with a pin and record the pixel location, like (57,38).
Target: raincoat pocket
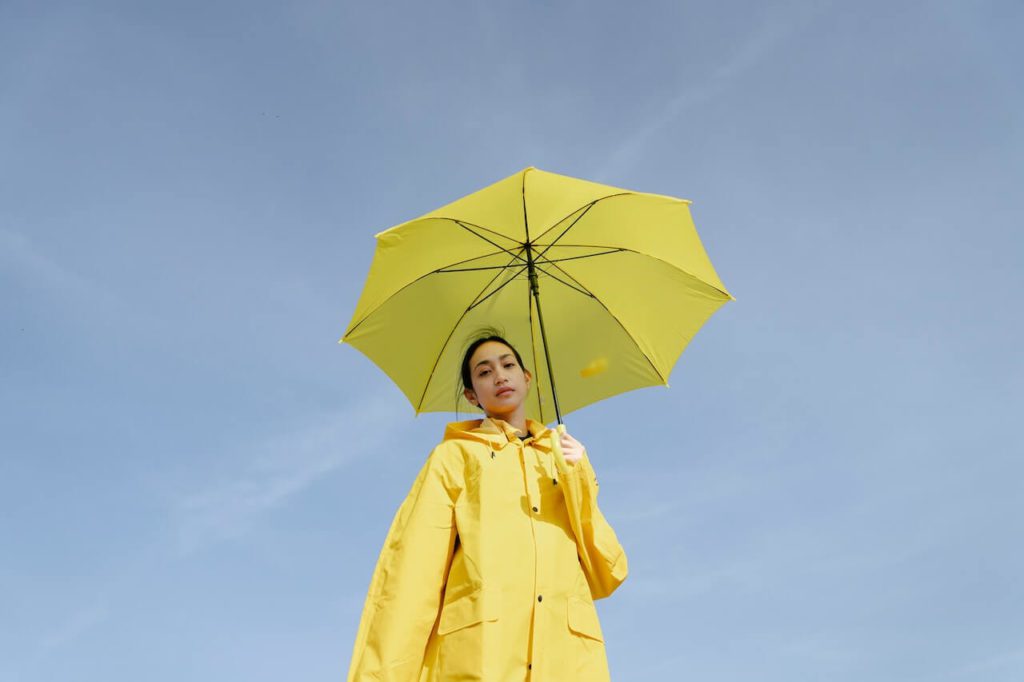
(582,617)
(480,605)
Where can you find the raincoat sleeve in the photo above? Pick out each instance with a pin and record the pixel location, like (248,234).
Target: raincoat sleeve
(407,586)
(602,557)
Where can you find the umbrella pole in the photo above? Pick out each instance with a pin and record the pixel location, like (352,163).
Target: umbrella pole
(535,290)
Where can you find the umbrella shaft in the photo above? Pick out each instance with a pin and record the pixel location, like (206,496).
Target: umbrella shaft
(535,290)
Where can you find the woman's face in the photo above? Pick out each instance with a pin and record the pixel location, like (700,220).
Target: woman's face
(500,385)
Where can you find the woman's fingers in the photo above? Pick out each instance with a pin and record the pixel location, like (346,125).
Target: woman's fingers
(572,449)
(570,441)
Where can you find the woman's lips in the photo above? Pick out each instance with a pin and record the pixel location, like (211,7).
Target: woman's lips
(503,391)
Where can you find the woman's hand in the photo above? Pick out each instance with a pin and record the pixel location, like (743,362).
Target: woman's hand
(572,449)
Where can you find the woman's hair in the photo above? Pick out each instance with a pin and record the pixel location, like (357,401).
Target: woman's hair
(478,339)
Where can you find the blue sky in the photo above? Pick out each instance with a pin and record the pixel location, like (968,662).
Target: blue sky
(196,478)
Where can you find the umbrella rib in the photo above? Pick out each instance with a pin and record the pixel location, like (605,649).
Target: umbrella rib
(425,274)
(509,281)
(412,223)
(588,206)
(465,226)
(579,286)
(447,268)
(485,229)
(588,255)
(581,289)
(569,227)
(625,249)
(586,246)
(465,312)
(502,267)
(482,267)
(614,317)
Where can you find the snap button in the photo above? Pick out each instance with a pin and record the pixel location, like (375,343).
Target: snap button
(555,481)
(492,454)
(540,597)
(534,509)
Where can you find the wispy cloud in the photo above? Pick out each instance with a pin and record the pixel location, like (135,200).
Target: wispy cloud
(29,264)
(685,495)
(777,28)
(681,586)
(72,628)
(1005,661)
(282,468)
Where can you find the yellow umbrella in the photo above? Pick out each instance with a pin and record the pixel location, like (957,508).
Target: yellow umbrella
(599,288)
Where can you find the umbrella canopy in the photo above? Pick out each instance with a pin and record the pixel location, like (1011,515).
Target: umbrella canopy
(619,279)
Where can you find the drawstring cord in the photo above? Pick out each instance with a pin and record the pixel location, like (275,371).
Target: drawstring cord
(548,459)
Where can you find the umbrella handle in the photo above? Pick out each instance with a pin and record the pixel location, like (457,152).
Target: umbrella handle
(556,445)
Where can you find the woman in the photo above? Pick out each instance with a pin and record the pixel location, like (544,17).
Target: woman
(493,561)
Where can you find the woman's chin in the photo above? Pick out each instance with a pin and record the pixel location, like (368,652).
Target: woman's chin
(503,408)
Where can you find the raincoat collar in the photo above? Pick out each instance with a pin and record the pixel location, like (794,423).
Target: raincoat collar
(497,432)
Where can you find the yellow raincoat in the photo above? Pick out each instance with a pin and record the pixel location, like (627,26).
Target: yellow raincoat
(491,567)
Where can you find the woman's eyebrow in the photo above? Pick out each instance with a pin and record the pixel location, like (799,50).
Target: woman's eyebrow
(485,362)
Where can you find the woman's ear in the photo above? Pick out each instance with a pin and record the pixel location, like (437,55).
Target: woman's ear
(470,396)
